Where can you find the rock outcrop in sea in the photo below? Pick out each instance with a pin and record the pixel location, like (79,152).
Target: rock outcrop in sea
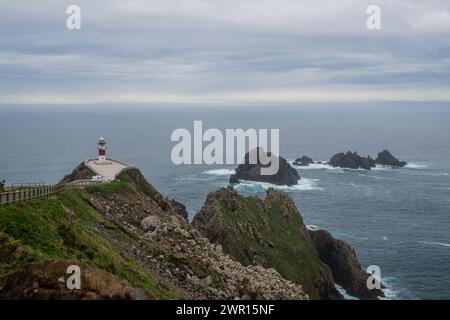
(303,161)
(271,233)
(342,260)
(352,160)
(386,158)
(286,175)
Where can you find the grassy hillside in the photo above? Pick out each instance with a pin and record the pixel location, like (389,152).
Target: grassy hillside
(67,227)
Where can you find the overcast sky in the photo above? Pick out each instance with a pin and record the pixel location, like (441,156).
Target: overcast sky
(224,51)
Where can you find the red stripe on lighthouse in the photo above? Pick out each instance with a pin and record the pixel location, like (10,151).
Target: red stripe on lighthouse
(101,152)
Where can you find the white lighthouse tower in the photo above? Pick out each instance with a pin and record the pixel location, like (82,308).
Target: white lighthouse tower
(101,146)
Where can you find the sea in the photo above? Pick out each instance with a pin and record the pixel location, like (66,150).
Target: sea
(395,218)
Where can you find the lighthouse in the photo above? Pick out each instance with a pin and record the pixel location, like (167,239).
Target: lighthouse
(101,146)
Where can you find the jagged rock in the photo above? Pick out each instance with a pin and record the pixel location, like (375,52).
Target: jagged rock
(179,208)
(47,280)
(303,161)
(79,173)
(342,260)
(266,233)
(351,160)
(286,175)
(386,158)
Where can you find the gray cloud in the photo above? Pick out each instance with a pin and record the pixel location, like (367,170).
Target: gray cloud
(218,50)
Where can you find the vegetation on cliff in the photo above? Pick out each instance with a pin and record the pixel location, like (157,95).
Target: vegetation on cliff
(67,227)
(122,231)
(268,232)
(271,233)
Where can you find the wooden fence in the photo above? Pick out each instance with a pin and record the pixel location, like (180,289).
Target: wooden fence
(24,192)
(81,184)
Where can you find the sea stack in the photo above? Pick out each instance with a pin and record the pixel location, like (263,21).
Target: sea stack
(352,160)
(387,159)
(303,161)
(286,175)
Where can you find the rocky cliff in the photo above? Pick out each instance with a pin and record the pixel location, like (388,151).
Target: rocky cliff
(342,260)
(271,233)
(130,235)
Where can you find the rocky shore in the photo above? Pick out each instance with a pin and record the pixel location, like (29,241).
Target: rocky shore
(271,233)
(139,241)
(131,242)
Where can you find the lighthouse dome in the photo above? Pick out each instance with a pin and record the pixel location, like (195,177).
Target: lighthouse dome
(101,142)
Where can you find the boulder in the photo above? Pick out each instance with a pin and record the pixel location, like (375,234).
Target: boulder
(151,223)
(351,160)
(387,159)
(303,161)
(47,281)
(286,175)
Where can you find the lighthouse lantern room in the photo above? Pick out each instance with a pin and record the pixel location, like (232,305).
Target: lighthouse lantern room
(101,146)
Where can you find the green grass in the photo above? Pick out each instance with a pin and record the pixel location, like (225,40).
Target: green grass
(67,227)
(282,246)
(104,189)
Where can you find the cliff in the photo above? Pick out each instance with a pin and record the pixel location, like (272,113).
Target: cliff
(129,236)
(271,233)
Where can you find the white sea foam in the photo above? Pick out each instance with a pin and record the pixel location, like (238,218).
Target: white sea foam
(385,238)
(303,185)
(312,227)
(318,166)
(380,167)
(389,294)
(191,178)
(435,243)
(344,293)
(415,166)
(220,172)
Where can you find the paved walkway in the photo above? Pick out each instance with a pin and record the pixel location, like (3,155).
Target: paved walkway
(108,169)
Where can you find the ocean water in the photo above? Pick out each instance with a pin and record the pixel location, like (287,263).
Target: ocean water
(398,219)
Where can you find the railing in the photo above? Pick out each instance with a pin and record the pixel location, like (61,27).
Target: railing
(80,184)
(23,193)
(26,185)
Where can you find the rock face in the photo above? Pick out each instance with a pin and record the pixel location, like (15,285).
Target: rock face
(269,233)
(303,161)
(342,260)
(129,230)
(47,280)
(79,173)
(179,208)
(352,160)
(286,175)
(180,256)
(386,158)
